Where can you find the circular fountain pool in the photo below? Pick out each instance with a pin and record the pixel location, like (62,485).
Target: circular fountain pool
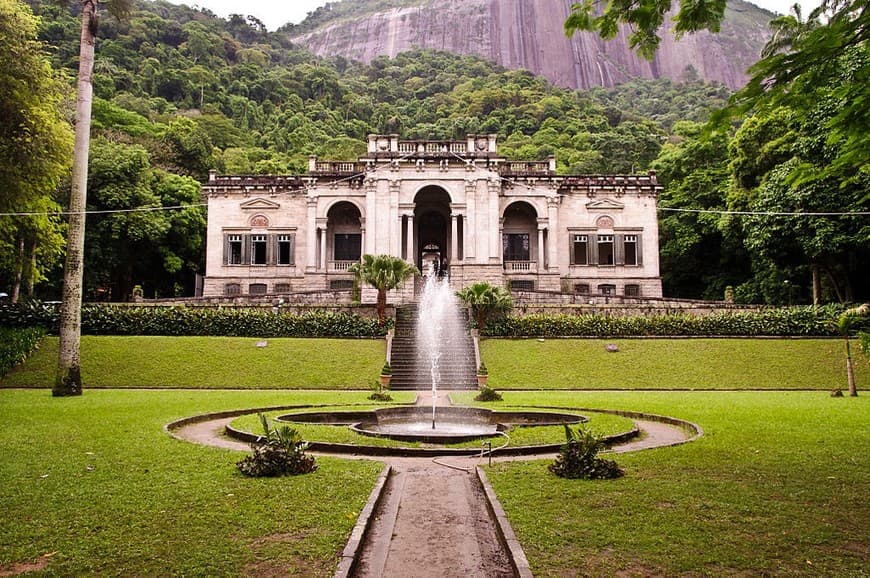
(451,424)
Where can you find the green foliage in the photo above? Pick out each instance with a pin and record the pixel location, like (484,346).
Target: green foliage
(486,301)
(387,369)
(378,391)
(384,273)
(699,257)
(578,458)
(808,321)
(280,452)
(488,394)
(644,18)
(16,344)
(35,148)
(216,321)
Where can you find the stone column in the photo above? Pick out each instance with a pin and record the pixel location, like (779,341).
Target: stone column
(553,238)
(541,261)
(494,224)
(321,233)
(410,251)
(394,221)
(371,190)
(470,224)
(311,236)
(454,239)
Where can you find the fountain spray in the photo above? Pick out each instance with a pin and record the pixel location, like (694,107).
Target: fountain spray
(437,303)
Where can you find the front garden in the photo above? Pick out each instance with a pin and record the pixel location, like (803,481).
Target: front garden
(776,486)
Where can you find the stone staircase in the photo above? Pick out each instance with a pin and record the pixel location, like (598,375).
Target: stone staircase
(457,373)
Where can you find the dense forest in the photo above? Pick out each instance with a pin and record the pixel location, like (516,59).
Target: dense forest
(179,92)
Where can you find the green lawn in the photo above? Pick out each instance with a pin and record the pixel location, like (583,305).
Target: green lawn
(670,364)
(95,485)
(778,485)
(211,362)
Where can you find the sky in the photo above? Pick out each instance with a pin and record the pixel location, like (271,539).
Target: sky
(276,13)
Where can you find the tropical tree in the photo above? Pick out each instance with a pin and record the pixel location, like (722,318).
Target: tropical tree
(846,325)
(384,273)
(486,301)
(35,145)
(68,380)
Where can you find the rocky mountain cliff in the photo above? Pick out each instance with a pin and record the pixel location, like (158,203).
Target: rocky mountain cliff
(529,34)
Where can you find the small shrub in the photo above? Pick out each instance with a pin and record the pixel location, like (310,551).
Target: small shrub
(281,452)
(488,394)
(16,345)
(482,370)
(387,369)
(379,393)
(578,458)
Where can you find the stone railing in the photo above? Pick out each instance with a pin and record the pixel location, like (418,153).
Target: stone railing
(525,168)
(341,265)
(337,167)
(521,266)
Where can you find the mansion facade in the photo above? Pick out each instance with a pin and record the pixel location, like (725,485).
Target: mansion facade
(452,205)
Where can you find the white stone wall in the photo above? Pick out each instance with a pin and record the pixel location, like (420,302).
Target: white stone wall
(389,200)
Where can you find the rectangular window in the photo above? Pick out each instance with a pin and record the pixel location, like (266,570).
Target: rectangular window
(522,285)
(258,249)
(516,246)
(632,290)
(607,289)
(347,246)
(257,289)
(234,249)
(282,287)
(630,249)
(605,249)
(285,250)
(231,289)
(581,288)
(341,284)
(580,248)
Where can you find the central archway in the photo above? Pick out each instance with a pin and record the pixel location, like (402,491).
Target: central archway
(432,227)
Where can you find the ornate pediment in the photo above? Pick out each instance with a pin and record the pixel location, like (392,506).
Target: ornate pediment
(260,204)
(606,204)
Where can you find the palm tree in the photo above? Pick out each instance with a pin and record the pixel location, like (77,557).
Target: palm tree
(69,379)
(845,324)
(383,272)
(486,301)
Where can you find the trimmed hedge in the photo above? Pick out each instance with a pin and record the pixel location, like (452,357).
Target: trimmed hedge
(220,321)
(797,321)
(16,344)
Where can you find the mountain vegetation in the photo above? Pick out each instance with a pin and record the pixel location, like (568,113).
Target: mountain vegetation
(179,92)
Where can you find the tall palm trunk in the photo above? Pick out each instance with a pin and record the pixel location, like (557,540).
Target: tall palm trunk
(850,373)
(69,379)
(382,305)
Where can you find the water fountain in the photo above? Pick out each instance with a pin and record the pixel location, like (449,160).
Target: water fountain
(439,323)
(444,356)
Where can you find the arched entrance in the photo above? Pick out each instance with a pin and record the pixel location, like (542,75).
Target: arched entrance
(432,229)
(344,235)
(519,239)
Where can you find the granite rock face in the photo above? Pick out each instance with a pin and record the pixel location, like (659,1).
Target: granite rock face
(529,34)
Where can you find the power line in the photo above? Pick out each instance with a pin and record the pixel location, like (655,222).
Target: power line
(102,212)
(767,213)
